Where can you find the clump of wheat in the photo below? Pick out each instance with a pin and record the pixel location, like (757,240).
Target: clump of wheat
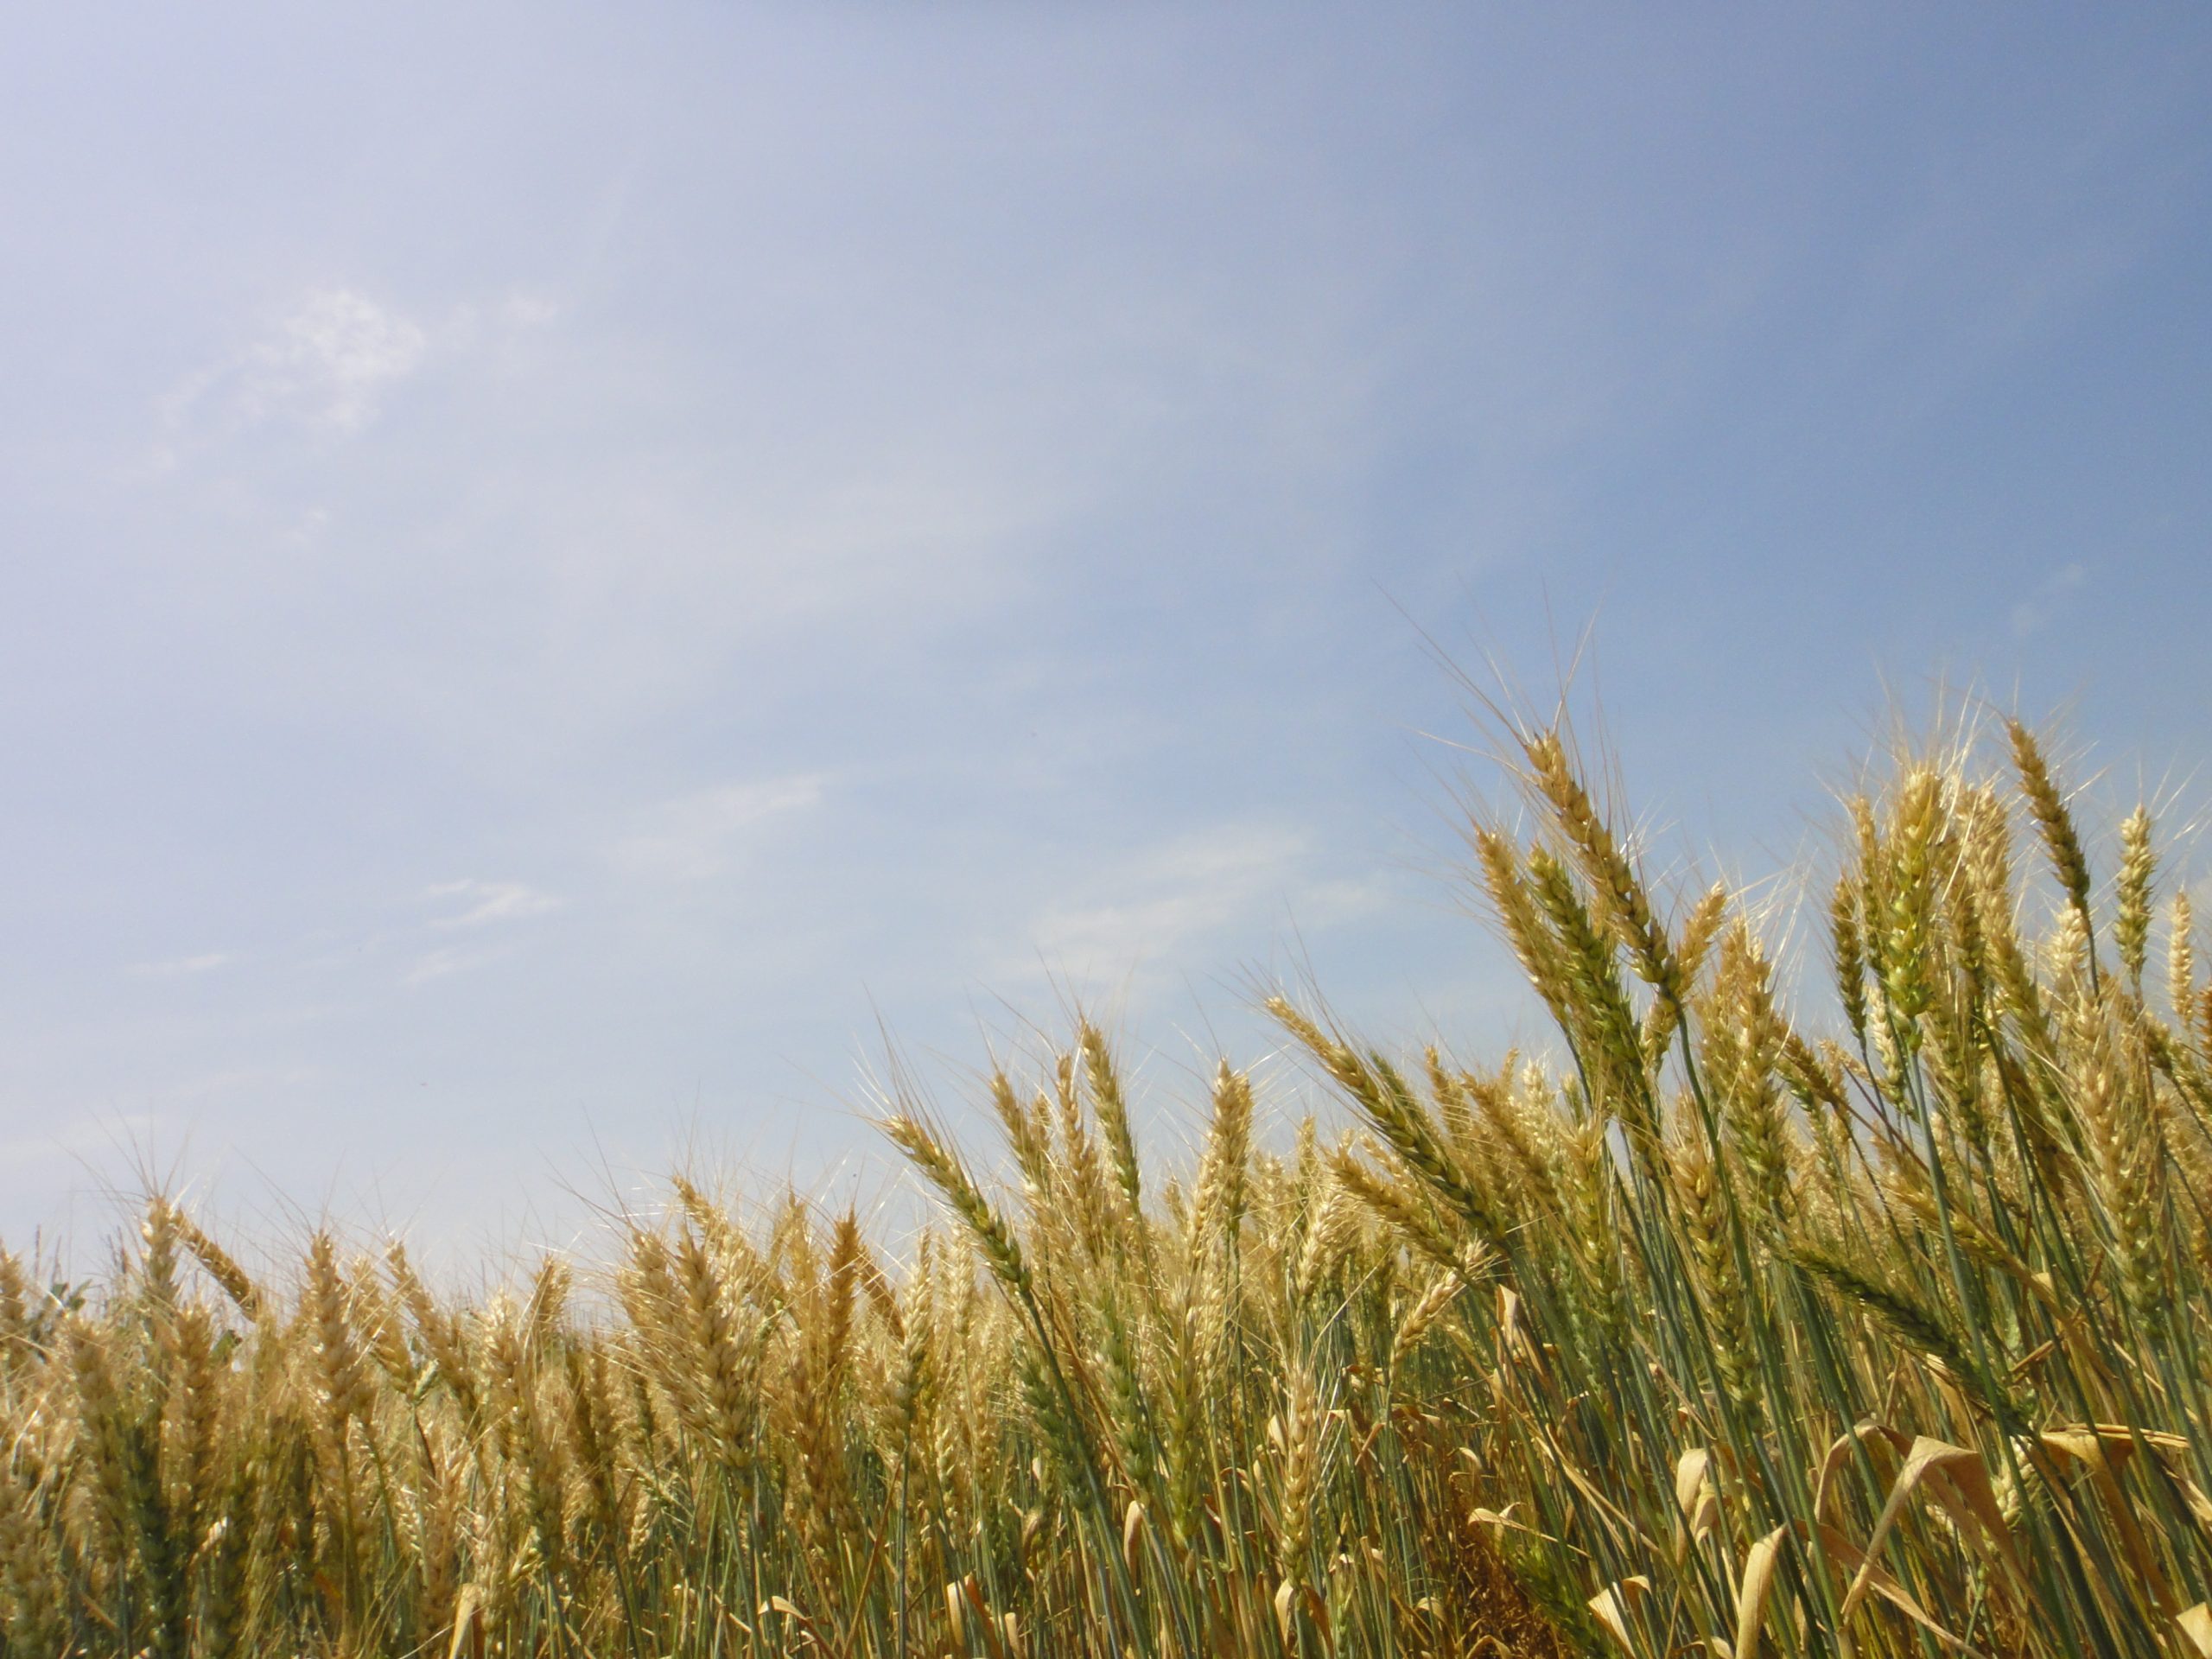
(1748,1321)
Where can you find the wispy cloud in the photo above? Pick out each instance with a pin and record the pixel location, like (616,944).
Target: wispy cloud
(333,360)
(1194,890)
(446,961)
(2035,612)
(80,1139)
(206,963)
(484,903)
(518,312)
(328,364)
(694,837)
(475,908)
(240,1080)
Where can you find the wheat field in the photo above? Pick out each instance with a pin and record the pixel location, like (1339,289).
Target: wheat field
(1867,1318)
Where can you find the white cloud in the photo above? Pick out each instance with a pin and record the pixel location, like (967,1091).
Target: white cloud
(1195,889)
(336,356)
(527,311)
(488,902)
(693,838)
(2035,612)
(445,961)
(183,965)
(469,326)
(309,529)
(78,1138)
(327,363)
(240,1080)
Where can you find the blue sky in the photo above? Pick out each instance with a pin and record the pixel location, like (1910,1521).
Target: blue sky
(564,562)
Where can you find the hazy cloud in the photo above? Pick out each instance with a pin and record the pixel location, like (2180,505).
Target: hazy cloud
(335,358)
(1165,902)
(80,1141)
(183,965)
(445,961)
(326,365)
(330,363)
(693,838)
(484,902)
(2035,612)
